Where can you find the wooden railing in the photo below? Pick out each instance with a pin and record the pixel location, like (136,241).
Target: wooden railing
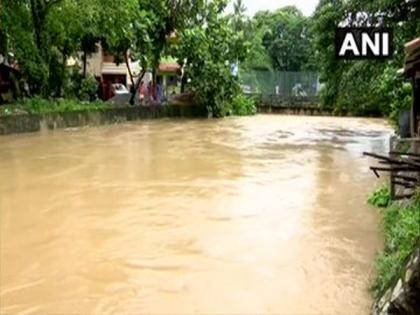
(403,165)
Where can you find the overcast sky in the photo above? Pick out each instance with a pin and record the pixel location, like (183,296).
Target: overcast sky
(253,6)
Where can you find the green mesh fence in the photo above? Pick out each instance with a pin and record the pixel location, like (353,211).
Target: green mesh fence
(281,84)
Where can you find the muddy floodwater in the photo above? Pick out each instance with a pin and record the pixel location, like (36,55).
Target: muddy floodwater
(264,214)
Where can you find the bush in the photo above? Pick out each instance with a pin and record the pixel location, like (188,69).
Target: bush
(401,224)
(80,87)
(393,93)
(37,105)
(243,105)
(42,106)
(11,110)
(72,84)
(88,89)
(355,90)
(381,197)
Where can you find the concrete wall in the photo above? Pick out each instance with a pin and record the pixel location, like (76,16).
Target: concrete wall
(33,123)
(304,111)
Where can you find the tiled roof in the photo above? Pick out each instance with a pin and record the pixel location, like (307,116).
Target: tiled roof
(169,67)
(412,61)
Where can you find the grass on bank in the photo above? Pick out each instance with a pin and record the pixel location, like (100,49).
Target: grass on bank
(401,226)
(44,106)
(241,105)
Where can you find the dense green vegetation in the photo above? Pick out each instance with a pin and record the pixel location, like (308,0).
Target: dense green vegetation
(280,40)
(243,105)
(381,197)
(208,49)
(285,40)
(41,35)
(364,86)
(42,106)
(400,221)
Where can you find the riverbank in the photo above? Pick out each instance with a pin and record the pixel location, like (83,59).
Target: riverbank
(296,110)
(398,273)
(41,115)
(21,122)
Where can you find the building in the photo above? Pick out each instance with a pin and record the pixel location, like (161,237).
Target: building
(103,67)
(412,72)
(168,75)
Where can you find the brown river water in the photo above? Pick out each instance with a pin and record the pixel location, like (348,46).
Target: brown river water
(264,214)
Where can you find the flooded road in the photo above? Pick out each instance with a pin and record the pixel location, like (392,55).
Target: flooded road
(265,214)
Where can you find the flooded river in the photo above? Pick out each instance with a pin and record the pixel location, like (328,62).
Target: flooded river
(265,214)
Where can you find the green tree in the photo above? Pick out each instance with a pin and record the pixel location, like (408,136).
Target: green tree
(287,38)
(70,27)
(358,86)
(209,49)
(239,19)
(167,19)
(19,40)
(125,31)
(42,34)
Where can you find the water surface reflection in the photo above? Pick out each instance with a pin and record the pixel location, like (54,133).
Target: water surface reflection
(264,214)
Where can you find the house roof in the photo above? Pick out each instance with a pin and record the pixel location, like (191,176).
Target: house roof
(413,44)
(169,67)
(412,61)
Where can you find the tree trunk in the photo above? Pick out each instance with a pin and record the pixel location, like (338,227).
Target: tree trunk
(129,68)
(183,83)
(60,88)
(133,91)
(154,75)
(84,59)
(3,41)
(16,88)
(38,20)
(38,13)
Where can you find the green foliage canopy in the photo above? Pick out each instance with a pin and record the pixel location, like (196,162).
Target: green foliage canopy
(208,51)
(364,87)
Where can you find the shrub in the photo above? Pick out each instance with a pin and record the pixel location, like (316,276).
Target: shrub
(243,105)
(381,197)
(11,110)
(393,93)
(42,106)
(72,86)
(37,105)
(88,89)
(355,89)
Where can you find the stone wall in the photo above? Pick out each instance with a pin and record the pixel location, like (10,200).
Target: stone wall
(403,298)
(33,123)
(19,124)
